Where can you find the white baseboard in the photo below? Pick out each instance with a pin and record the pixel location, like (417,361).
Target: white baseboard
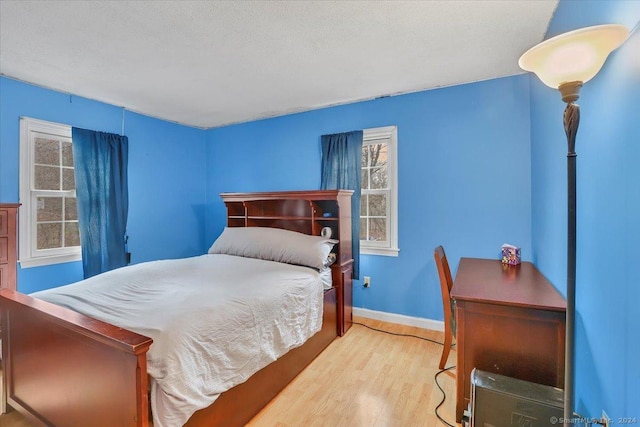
(419,322)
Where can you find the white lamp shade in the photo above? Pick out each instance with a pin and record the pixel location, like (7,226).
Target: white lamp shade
(574,56)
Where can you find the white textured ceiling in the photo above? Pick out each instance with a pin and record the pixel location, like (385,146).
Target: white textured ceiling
(207,64)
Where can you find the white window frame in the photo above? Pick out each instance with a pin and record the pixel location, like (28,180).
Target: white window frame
(390,247)
(30,255)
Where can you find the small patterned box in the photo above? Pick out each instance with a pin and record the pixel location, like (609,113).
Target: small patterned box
(510,254)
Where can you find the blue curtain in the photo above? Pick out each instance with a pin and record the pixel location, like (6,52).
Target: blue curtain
(341,169)
(100,162)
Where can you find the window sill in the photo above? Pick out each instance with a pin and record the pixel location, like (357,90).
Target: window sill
(49,260)
(379,251)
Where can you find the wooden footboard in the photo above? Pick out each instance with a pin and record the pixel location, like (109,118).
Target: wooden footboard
(61,368)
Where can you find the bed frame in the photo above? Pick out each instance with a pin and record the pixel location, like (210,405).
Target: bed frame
(62,368)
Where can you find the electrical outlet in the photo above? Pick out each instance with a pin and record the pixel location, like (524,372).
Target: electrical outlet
(367,281)
(605,419)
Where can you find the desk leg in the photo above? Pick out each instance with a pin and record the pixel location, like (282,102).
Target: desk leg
(460,368)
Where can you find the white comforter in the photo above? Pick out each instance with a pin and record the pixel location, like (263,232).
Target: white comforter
(215,320)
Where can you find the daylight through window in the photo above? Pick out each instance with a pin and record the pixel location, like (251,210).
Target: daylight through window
(378,202)
(48,218)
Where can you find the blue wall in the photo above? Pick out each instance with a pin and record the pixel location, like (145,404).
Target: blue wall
(608,216)
(464,178)
(167,165)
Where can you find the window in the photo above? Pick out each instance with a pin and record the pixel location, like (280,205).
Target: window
(379,199)
(49,231)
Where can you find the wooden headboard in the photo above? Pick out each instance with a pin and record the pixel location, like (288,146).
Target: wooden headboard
(305,212)
(302,211)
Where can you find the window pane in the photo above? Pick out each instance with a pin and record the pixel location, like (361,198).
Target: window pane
(363,205)
(49,209)
(364,184)
(365,156)
(47,178)
(378,154)
(68,179)
(363,229)
(50,235)
(382,158)
(378,229)
(70,209)
(71,234)
(67,154)
(379,177)
(377,205)
(47,151)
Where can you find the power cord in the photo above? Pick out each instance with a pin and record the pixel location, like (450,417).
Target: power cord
(435,377)
(444,395)
(397,334)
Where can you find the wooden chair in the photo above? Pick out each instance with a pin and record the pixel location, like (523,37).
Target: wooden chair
(448,304)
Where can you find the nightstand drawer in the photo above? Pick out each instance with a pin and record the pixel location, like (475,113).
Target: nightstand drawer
(4,223)
(4,275)
(4,250)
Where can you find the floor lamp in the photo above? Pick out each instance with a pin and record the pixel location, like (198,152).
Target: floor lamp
(566,62)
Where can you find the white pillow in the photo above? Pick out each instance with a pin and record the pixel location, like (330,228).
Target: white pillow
(274,244)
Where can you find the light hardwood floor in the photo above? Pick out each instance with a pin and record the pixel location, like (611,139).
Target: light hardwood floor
(366,378)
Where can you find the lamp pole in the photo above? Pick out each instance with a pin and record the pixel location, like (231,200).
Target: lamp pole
(570,94)
(566,62)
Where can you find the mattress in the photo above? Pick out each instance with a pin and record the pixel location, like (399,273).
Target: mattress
(215,320)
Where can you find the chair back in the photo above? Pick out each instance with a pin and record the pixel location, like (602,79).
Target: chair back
(447,303)
(445,286)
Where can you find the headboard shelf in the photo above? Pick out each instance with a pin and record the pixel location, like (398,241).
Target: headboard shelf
(303,211)
(284,217)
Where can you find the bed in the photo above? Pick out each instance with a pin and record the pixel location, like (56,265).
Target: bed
(63,368)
